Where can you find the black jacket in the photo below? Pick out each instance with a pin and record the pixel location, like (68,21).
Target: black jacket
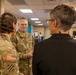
(55,56)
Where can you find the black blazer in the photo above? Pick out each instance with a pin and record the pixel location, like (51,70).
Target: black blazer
(55,56)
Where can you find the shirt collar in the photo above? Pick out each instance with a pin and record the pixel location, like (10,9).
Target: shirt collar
(5,37)
(62,36)
(22,34)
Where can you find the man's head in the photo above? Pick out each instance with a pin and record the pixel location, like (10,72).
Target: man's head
(23,24)
(62,18)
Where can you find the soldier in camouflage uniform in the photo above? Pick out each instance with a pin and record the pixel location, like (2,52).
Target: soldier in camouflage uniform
(24,44)
(8,54)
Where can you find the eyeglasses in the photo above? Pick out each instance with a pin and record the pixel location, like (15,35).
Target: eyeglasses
(48,21)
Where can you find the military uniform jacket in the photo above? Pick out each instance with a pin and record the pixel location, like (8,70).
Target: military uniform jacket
(23,43)
(8,57)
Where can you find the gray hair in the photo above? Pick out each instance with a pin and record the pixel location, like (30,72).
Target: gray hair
(64,15)
(22,18)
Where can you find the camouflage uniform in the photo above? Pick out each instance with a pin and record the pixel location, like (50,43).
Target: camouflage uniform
(23,44)
(8,57)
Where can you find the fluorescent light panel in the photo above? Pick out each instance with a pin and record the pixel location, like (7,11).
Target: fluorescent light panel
(37,21)
(34,19)
(40,24)
(26,10)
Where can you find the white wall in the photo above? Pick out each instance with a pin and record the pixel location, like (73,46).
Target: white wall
(39,29)
(46,33)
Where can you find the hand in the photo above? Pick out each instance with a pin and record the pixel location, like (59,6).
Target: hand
(30,54)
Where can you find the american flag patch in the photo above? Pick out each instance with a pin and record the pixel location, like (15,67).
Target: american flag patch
(10,57)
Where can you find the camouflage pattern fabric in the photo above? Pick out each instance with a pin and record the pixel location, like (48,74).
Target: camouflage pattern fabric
(8,57)
(23,43)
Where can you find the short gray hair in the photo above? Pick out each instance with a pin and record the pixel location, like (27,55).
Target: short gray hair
(65,16)
(22,18)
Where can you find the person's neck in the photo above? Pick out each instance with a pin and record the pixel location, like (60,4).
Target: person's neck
(7,35)
(22,31)
(61,32)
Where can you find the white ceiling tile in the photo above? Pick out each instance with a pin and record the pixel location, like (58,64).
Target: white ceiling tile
(7,3)
(40,15)
(51,2)
(38,11)
(49,6)
(10,7)
(13,11)
(17,2)
(21,6)
(30,15)
(71,4)
(47,15)
(36,6)
(34,2)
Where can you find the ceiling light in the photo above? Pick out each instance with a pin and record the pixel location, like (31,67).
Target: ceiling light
(34,19)
(40,24)
(26,10)
(37,21)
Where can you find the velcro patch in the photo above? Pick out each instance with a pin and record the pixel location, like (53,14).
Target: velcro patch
(10,57)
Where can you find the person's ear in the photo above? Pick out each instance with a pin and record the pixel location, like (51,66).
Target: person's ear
(14,25)
(55,23)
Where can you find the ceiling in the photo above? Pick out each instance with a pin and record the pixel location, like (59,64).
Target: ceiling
(40,8)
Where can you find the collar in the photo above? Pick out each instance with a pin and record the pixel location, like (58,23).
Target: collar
(21,34)
(61,36)
(5,37)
